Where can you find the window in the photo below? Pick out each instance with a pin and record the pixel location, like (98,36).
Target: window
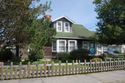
(72,45)
(99,46)
(67,27)
(54,46)
(85,45)
(61,45)
(59,26)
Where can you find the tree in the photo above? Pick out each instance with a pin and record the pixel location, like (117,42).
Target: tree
(19,19)
(43,34)
(111,25)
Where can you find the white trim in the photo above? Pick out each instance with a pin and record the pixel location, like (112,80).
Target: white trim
(52,46)
(69,50)
(65,18)
(57,29)
(69,27)
(59,45)
(71,37)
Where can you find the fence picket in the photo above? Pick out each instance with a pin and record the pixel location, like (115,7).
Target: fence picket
(1,71)
(73,67)
(45,70)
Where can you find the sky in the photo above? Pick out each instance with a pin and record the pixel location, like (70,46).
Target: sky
(80,11)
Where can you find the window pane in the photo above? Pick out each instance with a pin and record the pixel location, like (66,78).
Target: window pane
(72,45)
(54,45)
(62,47)
(85,45)
(67,26)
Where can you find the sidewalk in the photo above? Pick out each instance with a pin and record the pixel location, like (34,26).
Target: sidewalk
(104,77)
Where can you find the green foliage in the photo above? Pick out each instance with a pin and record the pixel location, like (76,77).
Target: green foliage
(79,54)
(64,56)
(6,55)
(111,16)
(42,34)
(33,56)
(20,20)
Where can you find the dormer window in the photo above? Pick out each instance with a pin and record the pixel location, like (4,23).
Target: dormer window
(59,26)
(67,27)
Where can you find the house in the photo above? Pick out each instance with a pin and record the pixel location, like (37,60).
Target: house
(71,35)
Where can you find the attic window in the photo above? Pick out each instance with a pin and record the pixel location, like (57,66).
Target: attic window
(67,27)
(59,26)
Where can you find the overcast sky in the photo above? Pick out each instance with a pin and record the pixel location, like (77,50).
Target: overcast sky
(80,11)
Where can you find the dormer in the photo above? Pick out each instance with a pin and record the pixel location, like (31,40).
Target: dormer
(63,24)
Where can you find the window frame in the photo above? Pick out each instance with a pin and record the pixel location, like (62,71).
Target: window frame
(58,46)
(87,45)
(69,50)
(69,27)
(57,26)
(53,46)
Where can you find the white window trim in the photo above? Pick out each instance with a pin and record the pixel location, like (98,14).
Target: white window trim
(52,47)
(59,45)
(84,43)
(57,29)
(69,50)
(69,28)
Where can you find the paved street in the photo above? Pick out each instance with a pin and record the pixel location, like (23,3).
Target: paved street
(105,77)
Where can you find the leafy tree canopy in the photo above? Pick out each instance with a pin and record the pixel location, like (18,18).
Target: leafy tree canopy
(111,25)
(19,23)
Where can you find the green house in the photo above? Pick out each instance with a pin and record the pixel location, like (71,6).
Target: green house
(71,35)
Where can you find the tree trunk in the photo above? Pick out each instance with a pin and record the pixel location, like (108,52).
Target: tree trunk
(17,51)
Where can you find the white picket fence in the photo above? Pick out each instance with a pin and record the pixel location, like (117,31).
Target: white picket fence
(11,71)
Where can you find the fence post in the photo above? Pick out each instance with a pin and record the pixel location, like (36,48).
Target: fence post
(118,63)
(41,65)
(90,65)
(37,70)
(6,72)
(79,67)
(20,70)
(85,66)
(49,69)
(66,67)
(52,70)
(11,70)
(110,65)
(95,66)
(60,68)
(2,70)
(28,69)
(100,65)
(45,69)
(113,64)
(73,67)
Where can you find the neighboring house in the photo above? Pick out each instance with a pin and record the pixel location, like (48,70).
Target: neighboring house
(72,36)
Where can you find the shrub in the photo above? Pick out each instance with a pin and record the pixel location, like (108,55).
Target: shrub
(96,59)
(63,56)
(79,54)
(6,55)
(33,56)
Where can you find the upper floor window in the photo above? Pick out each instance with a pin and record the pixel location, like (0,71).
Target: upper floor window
(66,26)
(59,26)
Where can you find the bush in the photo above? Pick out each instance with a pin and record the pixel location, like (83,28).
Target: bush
(79,54)
(96,59)
(6,55)
(33,56)
(63,56)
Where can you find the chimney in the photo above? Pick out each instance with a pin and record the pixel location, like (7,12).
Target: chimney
(48,17)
